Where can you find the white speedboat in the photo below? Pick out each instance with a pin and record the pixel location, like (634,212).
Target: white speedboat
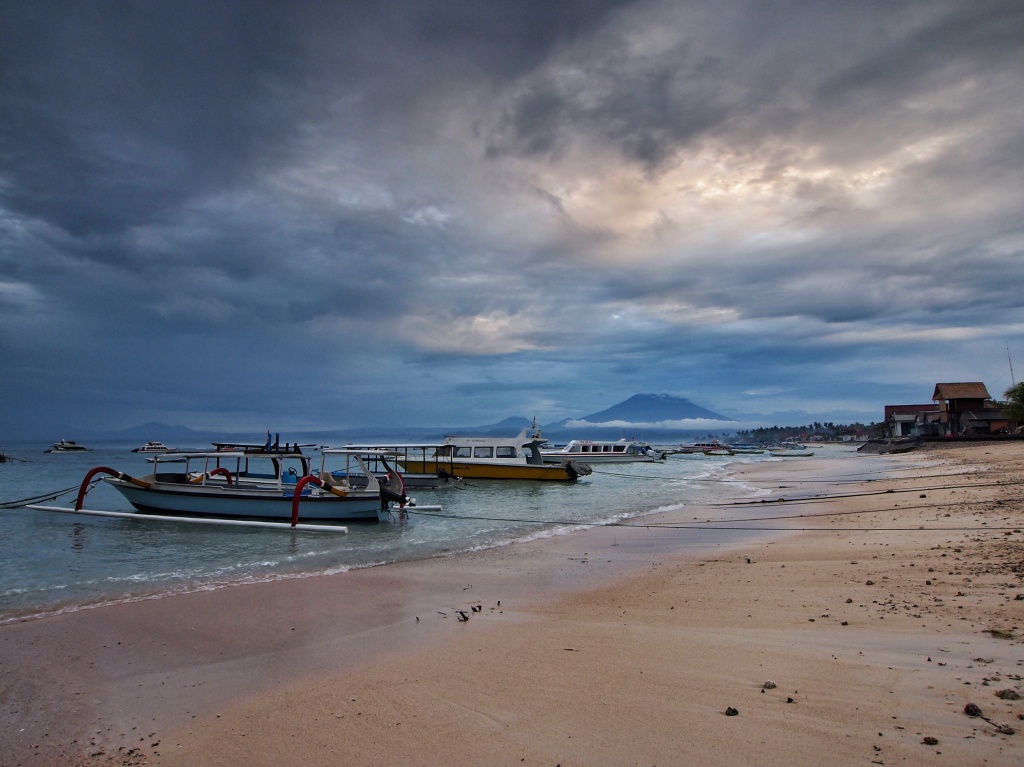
(67,446)
(153,447)
(596,451)
(258,485)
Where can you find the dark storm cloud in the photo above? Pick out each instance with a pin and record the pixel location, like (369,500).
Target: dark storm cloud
(533,203)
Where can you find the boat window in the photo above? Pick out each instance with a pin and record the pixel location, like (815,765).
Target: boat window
(506,452)
(586,448)
(483,452)
(463,452)
(618,448)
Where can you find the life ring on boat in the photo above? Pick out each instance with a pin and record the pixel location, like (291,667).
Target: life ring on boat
(219,470)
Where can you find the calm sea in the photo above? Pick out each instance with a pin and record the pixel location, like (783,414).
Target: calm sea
(55,562)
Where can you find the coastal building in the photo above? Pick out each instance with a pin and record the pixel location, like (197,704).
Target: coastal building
(911,420)
(967,408)
(956,409)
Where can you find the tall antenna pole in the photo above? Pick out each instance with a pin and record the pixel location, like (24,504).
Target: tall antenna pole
(1008,357)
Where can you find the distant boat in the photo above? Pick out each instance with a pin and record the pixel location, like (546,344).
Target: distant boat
(153,447)
(67,446)
(596,451)
(801,452)
(744,449)
(707,448)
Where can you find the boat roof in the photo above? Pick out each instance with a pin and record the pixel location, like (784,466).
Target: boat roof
(392,446)
(227,454)
(489,439)
(349,450)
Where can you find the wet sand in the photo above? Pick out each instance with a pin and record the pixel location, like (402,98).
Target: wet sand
(875,629)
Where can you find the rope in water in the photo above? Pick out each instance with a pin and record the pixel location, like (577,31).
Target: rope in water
(43,497)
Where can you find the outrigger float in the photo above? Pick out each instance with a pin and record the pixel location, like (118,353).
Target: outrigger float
(256,488)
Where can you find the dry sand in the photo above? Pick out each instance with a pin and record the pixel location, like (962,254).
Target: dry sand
(859,645)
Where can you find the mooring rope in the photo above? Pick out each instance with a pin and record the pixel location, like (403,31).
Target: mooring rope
(43,497)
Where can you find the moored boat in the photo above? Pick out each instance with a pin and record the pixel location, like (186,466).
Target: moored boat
(597,451)
(250,485)
(67,446)
(434,473)
(153,447)
(739,448)
(790,450)
(713,447)
(488,457)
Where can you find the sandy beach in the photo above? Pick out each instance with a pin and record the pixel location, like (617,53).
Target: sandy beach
(866,635)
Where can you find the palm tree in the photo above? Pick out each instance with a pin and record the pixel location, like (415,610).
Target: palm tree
(1015,402)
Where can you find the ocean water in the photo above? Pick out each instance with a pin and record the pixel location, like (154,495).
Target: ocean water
(53,562)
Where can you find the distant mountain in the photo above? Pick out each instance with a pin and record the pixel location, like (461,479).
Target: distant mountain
(512,425)
(648,411)
(653,408)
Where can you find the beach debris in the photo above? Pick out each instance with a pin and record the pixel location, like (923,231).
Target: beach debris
(928,740)
(769,685)
(869,583)
(1000,633)
(463,615)
(972,710)
(730,711)
(790,700)
(1008,694)
(476,608)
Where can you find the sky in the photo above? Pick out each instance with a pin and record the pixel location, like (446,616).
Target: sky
(242,215)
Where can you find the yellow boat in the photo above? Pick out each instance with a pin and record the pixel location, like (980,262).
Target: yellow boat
(496,458)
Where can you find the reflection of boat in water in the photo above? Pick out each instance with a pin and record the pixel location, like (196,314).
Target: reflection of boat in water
(496,458)
(153,447)
(596,451)
(67,446)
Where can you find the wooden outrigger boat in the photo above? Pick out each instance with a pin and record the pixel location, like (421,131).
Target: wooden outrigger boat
(262,488)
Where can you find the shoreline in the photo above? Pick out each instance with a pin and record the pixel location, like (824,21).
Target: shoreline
(553,664)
